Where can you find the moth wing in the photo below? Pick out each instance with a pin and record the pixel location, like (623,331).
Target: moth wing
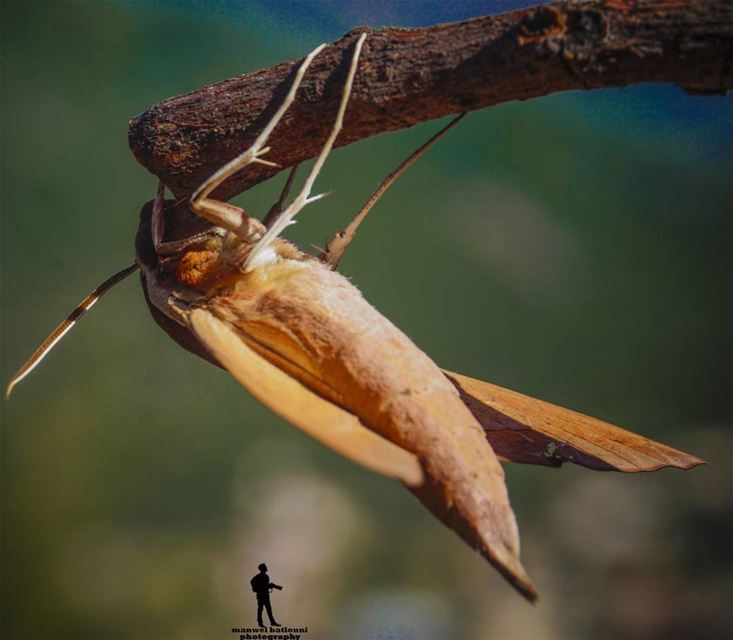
(524,429)
(322,420)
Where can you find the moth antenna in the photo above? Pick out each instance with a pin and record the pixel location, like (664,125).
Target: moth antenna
(60,331)
(337,245)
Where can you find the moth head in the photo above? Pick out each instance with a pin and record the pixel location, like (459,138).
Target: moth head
(156,283)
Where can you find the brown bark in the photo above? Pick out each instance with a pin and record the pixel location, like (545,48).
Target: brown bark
(408,76)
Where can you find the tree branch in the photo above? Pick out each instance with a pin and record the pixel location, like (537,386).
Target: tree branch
(408,76)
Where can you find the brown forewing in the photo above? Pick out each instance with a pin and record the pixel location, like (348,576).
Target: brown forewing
(524,429)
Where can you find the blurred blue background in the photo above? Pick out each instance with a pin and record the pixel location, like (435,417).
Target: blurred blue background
(576,248)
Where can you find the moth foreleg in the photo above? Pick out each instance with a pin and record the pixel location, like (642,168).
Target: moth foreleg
(157,227)
(229,216)
(304,197)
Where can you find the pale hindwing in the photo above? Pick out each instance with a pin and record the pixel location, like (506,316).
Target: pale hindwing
(320,419)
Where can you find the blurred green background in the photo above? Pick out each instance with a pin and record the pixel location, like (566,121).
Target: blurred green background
(576,248)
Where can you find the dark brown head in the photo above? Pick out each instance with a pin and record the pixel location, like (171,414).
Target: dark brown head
(181,227)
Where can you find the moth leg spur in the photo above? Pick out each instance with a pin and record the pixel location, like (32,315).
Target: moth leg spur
(259,251)
(226,215)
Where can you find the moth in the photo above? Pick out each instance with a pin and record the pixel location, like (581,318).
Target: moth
(302,339)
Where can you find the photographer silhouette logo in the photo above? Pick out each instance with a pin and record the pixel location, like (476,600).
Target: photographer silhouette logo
(262,588)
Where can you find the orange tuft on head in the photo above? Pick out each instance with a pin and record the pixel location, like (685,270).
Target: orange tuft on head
(198,268)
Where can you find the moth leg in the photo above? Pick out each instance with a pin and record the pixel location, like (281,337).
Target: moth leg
(303,198)
(157,227)
(157,220)
(277,208)
(226,215)
(338,244)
